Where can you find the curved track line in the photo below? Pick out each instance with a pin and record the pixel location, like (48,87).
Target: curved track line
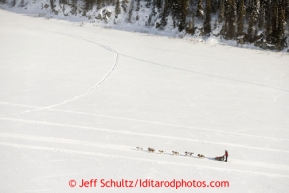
(152,122)
(141,134)
(89,90)
(139,159)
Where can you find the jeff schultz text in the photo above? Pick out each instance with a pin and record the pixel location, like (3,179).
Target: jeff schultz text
(150,183)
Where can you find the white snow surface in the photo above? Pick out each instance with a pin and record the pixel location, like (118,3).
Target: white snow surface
(76,100)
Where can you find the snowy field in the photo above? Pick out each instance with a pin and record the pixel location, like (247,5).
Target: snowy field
(76,101)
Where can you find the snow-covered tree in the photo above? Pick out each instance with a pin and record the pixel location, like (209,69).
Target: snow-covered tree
(221,11)
(137,5)
(241,17)
(117,9)
(87,4)
(130,12)
(230,19)
(13,3)
(200,10)
(281,26)
(253,19)
(148,3)
(191,25)
(207,22)
(124,5)
(164,15)
(158,4)
(184,4)
(268,17)
(215,6)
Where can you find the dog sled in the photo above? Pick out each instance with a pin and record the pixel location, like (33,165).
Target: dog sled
(220,158)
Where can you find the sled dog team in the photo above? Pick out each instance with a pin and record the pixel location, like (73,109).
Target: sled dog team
(190,154)
(152,150)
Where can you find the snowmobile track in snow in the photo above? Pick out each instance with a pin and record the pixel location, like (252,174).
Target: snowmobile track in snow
(204,74)
(21,146)
(120,148)
(99,83)
(145,121)
(140,134)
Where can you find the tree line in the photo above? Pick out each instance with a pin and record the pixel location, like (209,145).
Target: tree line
(262,22)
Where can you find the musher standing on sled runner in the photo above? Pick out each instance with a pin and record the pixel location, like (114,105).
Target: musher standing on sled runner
(226,155)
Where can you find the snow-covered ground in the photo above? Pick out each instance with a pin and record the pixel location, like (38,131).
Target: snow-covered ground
(76,101)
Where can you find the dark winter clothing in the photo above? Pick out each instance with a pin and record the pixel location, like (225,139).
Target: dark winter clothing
(226,155)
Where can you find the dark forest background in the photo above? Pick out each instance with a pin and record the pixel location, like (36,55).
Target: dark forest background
(262,22)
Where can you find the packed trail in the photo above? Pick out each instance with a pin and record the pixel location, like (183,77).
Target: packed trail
(80,103)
